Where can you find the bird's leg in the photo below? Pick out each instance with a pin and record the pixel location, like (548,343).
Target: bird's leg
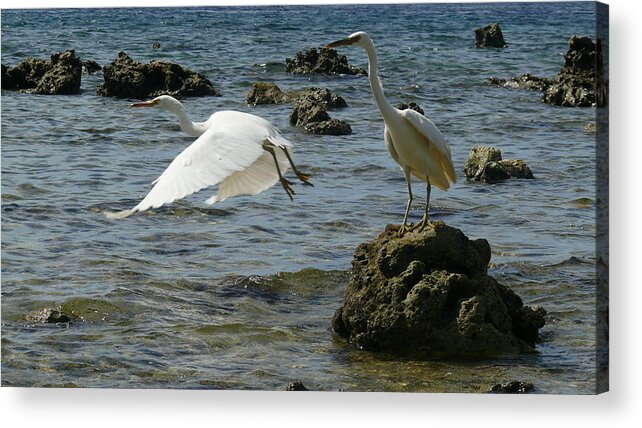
(301,176)
(285,183)
(424,221)
(404,225)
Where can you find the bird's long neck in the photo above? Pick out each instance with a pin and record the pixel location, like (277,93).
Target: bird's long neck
(386,109)
(192,128)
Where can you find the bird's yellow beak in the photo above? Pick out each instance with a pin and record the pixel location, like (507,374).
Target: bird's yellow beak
(342,42)
(150,103)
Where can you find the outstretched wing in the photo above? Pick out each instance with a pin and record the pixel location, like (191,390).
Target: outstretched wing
(215,155)
(439,148)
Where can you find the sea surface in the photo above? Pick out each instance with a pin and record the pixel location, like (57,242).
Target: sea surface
(239,295)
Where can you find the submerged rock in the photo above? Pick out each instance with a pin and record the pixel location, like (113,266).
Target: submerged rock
(411,105)
(48,316)
(58,76)
(485,163)
(127,78)
(514,387)
(296,386)
(429,292)
(325,61)
(489,37)
(90,67)
(525,81)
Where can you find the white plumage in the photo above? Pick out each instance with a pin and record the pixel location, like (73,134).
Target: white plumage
(243,153)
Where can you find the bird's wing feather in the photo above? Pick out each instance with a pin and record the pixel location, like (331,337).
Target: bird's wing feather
(214,156)
(259,176)
(427,128)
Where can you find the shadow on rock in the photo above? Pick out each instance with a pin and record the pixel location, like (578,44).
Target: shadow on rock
(59,76)
(429,293)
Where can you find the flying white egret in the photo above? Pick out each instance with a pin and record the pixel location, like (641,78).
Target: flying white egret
(243,153)
(412,139)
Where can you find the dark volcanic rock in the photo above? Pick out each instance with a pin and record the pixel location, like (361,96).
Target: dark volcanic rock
(429,292)
(485,163)
(310,112)
(60,75)
(580,82)
(48,316)
(296,386)
(411,105)
(326,61)
(265,93)
(489,37)
(514,387)
(90,67)
(127,78)
(329,127)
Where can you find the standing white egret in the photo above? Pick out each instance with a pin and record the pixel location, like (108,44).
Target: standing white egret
(242,152)
(412,139)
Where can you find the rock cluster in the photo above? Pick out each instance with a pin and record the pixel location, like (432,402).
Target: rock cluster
(489,37)
(310,110)
(411,105)
(485,163)
(580,82)
(127,78)
(60,75)
(428,292)
(325,61)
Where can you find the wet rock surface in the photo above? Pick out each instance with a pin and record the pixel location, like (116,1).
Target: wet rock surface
(485,163)
(324,61)
(580,82)
(90,67)
(58,76)
(514,387)
(48,316)
(128,78)
(310,112)
(429,292)
(489,37)
(265,93)
(296,386)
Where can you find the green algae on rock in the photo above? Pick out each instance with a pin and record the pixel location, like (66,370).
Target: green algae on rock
(429,292)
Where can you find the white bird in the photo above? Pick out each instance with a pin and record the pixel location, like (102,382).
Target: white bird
(243,153)
(412,139)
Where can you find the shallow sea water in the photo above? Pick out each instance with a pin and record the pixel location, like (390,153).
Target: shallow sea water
(239,295)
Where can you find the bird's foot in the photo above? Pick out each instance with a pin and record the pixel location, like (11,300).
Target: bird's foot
(422,224)
(403,229)
(286,186)
(304,178)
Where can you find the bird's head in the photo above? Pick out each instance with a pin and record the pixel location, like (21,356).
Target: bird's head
(163,102)
(359,38)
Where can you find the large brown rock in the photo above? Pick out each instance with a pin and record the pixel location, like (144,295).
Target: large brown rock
(58,76)
(429,292)
(489,37)
(324,61)
(310,112)
(485,163)
(266,93)
(128,78)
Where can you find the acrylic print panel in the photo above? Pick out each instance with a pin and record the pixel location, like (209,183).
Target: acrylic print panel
(282,285)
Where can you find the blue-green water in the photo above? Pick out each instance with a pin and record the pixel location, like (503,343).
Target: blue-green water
(240,294)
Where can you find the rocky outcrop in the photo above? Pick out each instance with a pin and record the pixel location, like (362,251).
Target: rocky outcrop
(90,67)
(428,292)
(296,386)
(325,61)
(127,78)
(490,37)
(580,82)
(58,76)
(48,316)
(265,93)
(485,163)
(310,112)
(411,105)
